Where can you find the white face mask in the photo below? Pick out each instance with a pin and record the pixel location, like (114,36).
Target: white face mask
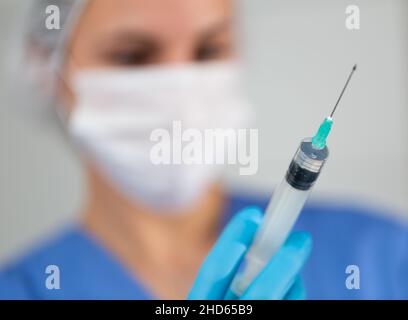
(117,110)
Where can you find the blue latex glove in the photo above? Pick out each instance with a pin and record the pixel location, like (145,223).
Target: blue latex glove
(278,280)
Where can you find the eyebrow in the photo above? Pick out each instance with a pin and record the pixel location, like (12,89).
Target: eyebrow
(129,37)
(144,38)
(222,26)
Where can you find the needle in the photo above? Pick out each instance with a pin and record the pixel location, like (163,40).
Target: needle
(344,89)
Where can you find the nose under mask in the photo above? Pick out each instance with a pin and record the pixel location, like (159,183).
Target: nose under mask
(117,110)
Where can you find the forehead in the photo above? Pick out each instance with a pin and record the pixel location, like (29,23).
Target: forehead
(156,16)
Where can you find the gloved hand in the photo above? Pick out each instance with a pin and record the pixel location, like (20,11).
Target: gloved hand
(278,280)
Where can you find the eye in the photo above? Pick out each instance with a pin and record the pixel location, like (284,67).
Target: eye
(210,52)
(213,50)
(130,56)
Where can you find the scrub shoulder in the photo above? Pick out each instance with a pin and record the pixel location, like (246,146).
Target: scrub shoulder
(358,253)
(86,270)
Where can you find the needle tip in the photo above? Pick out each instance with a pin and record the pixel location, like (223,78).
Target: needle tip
(344,88)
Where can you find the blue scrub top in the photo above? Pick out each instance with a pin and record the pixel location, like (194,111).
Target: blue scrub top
(342,236)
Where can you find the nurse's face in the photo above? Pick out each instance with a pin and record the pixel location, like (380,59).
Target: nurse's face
(131,33)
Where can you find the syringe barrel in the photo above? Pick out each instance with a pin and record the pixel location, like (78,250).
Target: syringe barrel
(282,212)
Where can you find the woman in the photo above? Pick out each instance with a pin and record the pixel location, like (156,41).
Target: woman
(118,70)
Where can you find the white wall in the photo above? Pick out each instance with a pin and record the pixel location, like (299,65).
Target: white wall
(300,54)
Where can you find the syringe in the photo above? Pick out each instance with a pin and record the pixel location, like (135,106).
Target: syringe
(287,203)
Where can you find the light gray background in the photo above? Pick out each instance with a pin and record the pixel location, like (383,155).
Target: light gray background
(299,54)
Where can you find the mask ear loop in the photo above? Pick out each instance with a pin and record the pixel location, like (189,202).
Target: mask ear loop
(59,56)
